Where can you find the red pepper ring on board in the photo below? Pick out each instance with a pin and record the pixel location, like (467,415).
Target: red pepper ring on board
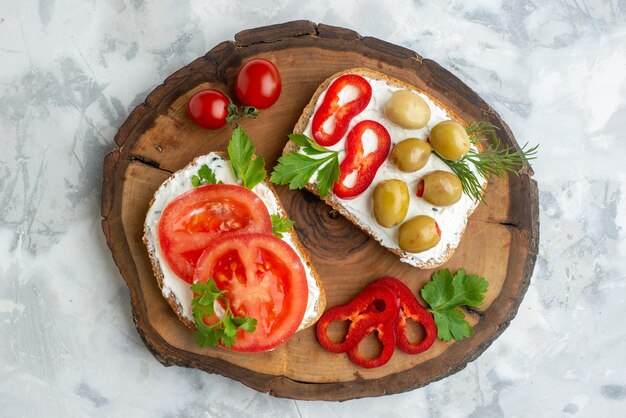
(386,333)
(367,147)
(409,309)
(366,312)
(331,120)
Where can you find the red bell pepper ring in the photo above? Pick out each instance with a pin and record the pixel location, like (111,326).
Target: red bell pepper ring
(409,309)
(366,312)
(331,120)
(386,334)
(383,307)
(359,167)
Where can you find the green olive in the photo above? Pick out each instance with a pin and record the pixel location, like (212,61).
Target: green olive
(391,202)
(407,109)
(450,140)
(411,154)
(418,234)
(440,188)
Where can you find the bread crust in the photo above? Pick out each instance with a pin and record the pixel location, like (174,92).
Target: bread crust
(333,200)
(176,304)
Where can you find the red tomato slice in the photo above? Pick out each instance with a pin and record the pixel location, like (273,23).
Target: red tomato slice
(264,279)
(194,219)
(358,169)
(330,122)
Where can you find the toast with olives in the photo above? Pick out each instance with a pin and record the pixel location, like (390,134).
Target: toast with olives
(431,258)
(176,292)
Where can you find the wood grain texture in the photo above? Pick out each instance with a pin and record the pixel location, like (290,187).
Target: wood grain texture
(158,138)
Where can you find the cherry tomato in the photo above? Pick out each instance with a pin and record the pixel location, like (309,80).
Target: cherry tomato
(209,108)
(264,279)
(258,84)
(194,219)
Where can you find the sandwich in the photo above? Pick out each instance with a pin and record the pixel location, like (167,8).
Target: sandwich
(219,221)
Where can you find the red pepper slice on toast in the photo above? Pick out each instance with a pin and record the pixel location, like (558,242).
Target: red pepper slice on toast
(331,120)
(363,159)
(373,309)
(409,309)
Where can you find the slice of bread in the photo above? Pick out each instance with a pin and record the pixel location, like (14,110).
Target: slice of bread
(383,89)
(177,292)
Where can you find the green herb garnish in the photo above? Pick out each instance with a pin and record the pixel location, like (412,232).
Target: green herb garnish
(205,176)
(248,168)
(224,331)
(296,168)
(249,111)
(494,160)
(235,113)
(445,293)
(280,225)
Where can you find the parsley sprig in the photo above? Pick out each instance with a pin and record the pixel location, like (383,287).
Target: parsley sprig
(280,225)
(297,168)
(494,159)
(445,293)
(225,330)
(205,176)
(248,168)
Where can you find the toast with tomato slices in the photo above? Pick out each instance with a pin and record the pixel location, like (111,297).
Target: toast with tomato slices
(388,237)
(176,291)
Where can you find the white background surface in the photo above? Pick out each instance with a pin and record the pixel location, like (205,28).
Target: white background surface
(70,73)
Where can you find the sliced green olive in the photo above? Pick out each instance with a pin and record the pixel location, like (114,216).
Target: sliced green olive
(440,188)
(391,202)
(450,140)
(411,154)
(418,234)
(407,109)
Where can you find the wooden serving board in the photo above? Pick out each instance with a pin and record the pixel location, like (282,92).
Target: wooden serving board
(158,138)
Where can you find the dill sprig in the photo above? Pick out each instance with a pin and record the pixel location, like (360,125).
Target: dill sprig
(480,131)
(493,160)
